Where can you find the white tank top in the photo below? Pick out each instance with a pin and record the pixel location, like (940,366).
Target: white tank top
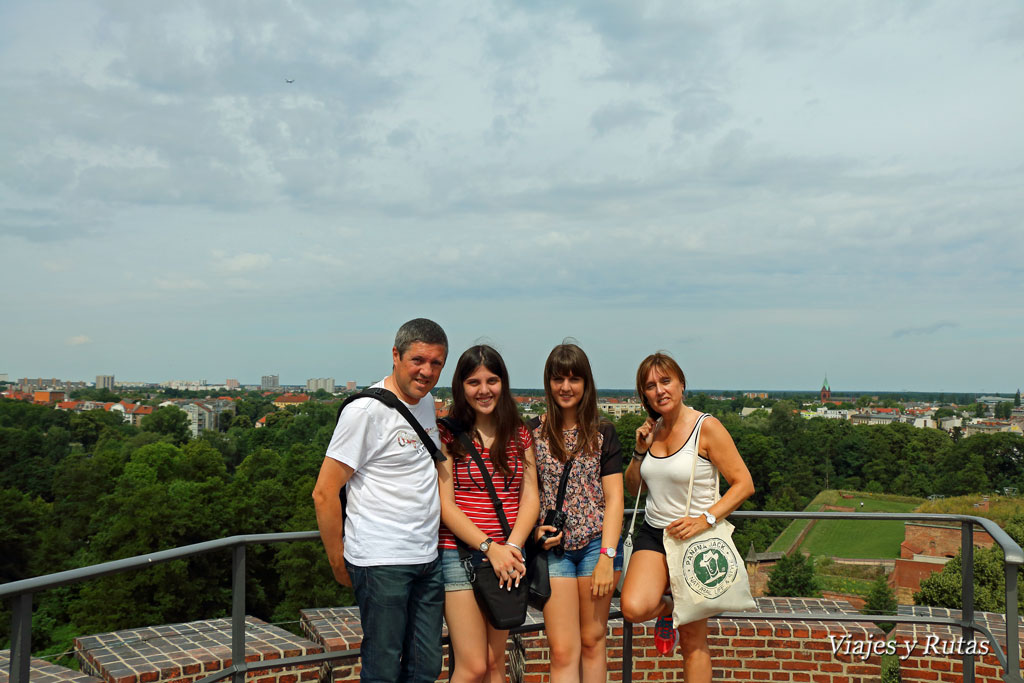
(667,480)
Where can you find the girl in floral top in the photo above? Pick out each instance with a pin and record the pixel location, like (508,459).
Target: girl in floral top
(583,559)
(483,404)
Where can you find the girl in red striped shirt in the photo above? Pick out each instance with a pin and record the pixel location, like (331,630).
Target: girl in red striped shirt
(481,400)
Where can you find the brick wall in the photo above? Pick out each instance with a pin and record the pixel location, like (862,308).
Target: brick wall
(935,650)
(741,650)
(936,540)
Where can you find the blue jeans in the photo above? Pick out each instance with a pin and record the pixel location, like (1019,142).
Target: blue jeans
(574,564)
(401,608)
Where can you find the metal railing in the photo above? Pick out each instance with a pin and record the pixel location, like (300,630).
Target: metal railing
(21,592)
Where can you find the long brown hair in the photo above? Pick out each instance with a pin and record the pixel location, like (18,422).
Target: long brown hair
(506,417)
(664,362)
(563,361)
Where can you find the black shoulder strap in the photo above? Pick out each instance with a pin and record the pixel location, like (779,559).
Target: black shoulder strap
(467,443)
(389,399)
(563,483)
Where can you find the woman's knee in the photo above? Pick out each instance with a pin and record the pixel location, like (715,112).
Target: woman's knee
(637,608)
(592,644)
(564,653)
(471,668)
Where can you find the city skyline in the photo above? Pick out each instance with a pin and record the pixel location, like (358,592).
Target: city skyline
(769,192)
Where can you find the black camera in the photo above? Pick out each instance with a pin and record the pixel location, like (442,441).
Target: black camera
(557,519)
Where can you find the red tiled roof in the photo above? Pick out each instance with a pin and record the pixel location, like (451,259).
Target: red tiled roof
(291,398)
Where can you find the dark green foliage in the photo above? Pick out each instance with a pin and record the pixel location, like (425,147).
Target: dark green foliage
(793,576)
(891,669)
(102,395)
(881,600)
(1003,410)
(22,519)
(626,427)
(169,421)
(82,488)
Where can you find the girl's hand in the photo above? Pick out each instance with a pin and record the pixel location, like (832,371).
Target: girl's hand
(551,542)
(507,564)
(687,527)
(645,435)
(603,579)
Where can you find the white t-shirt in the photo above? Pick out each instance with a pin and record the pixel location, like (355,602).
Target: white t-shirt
(394,509)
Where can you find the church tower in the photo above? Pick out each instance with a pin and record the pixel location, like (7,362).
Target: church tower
(826,393)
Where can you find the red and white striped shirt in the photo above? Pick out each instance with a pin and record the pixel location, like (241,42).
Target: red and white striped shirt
(471,492)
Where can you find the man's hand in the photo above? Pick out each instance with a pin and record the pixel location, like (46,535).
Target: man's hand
(340,570)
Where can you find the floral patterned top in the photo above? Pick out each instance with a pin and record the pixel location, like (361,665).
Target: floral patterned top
(584,494)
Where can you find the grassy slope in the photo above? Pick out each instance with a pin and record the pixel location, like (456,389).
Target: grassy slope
(851,538)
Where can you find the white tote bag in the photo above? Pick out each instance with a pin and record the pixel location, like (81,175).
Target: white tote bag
(706,572)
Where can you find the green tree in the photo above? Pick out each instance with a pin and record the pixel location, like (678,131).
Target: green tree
(881,601)
(170,421)
(1016,399)
(21,520)
(626,427)
(1003,410)
(793,576)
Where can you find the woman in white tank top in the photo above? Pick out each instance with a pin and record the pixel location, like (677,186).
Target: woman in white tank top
(663,460)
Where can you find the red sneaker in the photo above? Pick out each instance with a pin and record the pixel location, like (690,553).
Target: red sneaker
(665,637)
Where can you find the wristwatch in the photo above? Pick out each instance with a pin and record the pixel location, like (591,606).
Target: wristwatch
(710,517)
(485,544)
(610,552)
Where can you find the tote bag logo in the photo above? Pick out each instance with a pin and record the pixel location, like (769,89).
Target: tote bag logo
(710,567)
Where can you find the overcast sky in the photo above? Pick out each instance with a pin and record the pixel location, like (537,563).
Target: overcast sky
(769,191)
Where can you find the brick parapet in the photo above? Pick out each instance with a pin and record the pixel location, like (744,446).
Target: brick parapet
(741,650)
(42,671)
(936,650)
(187,652)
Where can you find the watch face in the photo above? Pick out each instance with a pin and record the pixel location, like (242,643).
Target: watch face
(610,552)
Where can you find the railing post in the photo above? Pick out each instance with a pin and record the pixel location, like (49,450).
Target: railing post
(967,595)
(1012,635)
(238,612)
(21,638)
(627,650)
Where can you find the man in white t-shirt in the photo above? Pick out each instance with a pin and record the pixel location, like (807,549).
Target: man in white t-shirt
(389,550)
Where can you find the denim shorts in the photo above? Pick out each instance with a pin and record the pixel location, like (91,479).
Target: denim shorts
(455,576)
(574,564)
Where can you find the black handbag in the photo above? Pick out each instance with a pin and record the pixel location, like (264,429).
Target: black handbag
(503,608)
(537,576)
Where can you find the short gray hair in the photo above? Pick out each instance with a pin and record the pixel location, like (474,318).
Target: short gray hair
(420,330)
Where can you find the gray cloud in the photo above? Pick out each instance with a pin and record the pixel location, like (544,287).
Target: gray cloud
(620,115)
(926,330)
